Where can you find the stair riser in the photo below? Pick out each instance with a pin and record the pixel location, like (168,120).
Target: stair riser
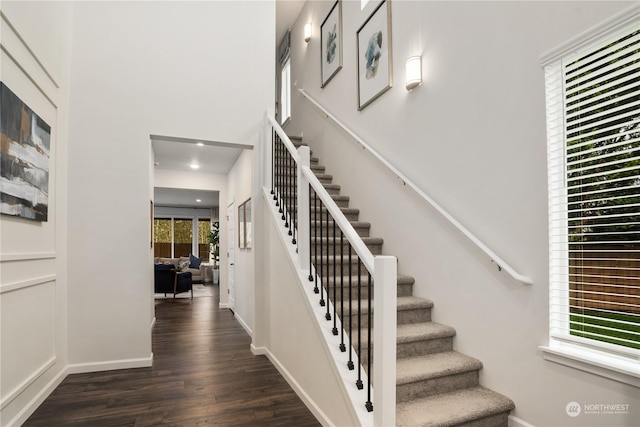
(433,386)
(340,201)
(404,316)
(363,231)
(315,215)
(419,348)
(331,190)
(416,315)
(330,248)
(498,420)
(283,167)
(404,290)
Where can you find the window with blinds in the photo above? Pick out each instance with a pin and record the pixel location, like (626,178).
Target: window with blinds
(593,128)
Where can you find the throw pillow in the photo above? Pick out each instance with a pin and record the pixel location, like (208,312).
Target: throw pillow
(184,265)
(194,262)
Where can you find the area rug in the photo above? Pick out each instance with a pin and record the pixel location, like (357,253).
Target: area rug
(199,290)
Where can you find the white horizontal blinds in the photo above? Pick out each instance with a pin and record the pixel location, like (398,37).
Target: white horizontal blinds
(598,289)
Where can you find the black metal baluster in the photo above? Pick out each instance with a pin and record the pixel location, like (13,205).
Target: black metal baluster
(359,382)
(350,362)
(369,404)
(310,225)
(279,184)
(343,348)
(326,282)
(315,244)
(335,299)
(273,162)
(321,256)
(295,200)
(285,184)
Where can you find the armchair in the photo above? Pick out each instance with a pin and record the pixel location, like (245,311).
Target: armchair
(167,280)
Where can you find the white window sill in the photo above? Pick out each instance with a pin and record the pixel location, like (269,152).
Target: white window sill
(606,365)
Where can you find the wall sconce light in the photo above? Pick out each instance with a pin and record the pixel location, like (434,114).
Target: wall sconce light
(413,69)
(307,32)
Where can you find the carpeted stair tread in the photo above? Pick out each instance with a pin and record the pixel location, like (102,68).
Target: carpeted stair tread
(452,409)
(344,210)
(412,332)
(404,303)
(412,369)
(423,331)
(331,187)
(412,303)
(324,176)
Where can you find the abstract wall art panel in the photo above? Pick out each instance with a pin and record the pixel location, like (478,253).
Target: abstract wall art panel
(24,159)
(374,55)
(331,44)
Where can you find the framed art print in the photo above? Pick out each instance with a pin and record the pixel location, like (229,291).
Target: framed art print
(374,55)
(331,44)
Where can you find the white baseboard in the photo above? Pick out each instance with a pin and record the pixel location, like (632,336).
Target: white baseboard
(31,407)
(517,422)
(258,351)
(224,305)
(111,365)
(243,324)
(306,399)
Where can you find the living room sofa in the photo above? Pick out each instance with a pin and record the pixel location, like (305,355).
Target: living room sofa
(185,264)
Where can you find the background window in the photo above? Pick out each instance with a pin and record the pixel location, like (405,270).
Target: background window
(593,123)
(285,92)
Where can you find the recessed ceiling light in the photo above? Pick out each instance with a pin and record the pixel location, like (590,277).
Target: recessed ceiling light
(194,166)
(198,200)
(200,144)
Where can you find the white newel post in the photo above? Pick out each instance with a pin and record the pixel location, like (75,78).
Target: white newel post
(267,151)
(304,243)
(384,336)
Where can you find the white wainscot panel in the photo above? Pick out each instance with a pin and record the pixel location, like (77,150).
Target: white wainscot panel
(26,270)
(27,322)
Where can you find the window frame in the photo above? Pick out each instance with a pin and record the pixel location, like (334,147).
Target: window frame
(610,361)
(285,91)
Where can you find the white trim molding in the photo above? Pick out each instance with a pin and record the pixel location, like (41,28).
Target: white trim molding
(27,283)
(111,365)
(38,399)
(627,16)
(517,422)
(27,382)
(243,324)
(599,363)
(29,256)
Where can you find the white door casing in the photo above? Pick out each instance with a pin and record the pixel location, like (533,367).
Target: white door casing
(231,257)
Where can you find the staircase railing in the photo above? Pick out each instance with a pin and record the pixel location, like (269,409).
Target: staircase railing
(342,271)
(501,263)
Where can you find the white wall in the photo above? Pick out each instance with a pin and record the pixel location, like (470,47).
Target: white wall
(35,60)
(141,68)
(240,189)
(473,137)
(293,341)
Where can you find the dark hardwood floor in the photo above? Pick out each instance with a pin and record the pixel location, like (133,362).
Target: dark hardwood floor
(203,374)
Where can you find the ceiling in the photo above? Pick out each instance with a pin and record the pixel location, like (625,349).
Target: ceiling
(286,13)
(178,197)
(179,153)
(174,153)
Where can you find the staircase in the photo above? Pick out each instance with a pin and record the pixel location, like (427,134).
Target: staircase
(436,386)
